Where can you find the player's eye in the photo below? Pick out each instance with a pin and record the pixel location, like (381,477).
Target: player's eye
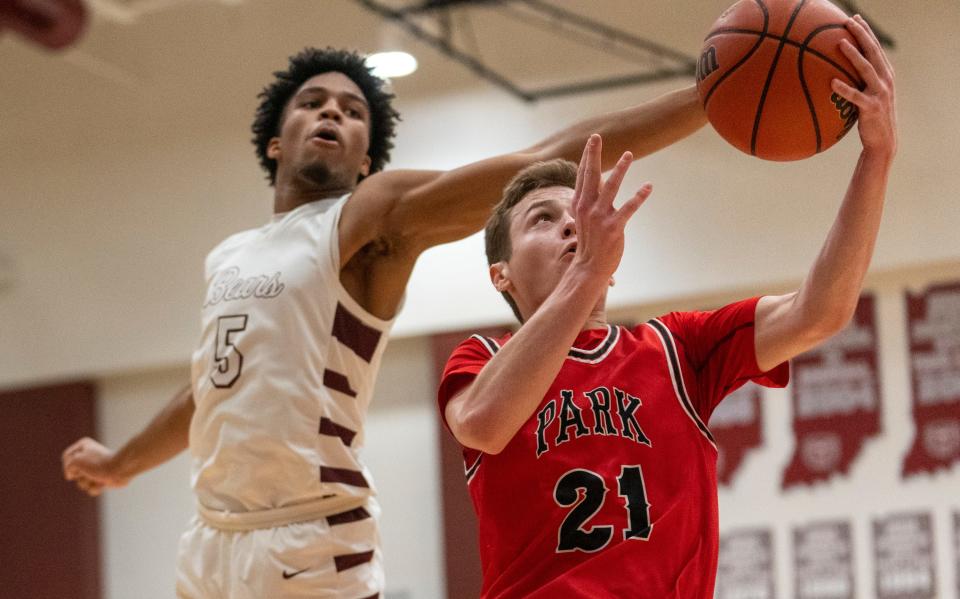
(311,104)
(542,217)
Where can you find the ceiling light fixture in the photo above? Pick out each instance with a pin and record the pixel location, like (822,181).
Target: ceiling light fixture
(392,64)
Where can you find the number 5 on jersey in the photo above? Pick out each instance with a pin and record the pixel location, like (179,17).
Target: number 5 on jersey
(227,359)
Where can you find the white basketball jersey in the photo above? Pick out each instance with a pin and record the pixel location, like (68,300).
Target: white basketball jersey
(284,372)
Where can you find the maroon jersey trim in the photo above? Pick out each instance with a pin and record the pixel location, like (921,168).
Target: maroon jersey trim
(351,332)
(332,429)
(676,375)
(354,515)
(352,560)
(337,382)
(343,476)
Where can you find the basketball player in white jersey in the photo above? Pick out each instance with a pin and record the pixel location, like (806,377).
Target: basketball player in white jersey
(296,317)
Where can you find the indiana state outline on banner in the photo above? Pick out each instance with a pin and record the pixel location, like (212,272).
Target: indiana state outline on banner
(933,322)
(835,393)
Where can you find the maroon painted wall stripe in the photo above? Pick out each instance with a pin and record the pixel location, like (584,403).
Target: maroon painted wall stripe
(460,543)
(52,529)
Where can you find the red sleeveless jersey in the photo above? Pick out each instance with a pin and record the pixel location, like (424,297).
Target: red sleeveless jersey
(610,487)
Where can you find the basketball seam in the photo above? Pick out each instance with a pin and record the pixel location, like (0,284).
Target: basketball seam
(789,42)
(773,68)
(803,82)
(809,99)
(731,70)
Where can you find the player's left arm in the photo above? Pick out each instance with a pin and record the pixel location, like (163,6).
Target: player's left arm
(421,209)
(788,325)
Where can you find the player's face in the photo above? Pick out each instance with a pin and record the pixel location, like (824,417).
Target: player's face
(325,132)
(543,238)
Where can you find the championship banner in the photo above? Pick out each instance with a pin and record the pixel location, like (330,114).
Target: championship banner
(745,567)
(904,557)
(823,561)
(933,319)
(736,427)
(835,392)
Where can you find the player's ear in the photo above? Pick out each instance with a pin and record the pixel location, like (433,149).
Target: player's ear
(365,167)
(500,276)
(612,281)
(273,148)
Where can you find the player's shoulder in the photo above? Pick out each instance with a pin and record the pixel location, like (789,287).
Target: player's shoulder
(232,242)
(670,320)
(481,345)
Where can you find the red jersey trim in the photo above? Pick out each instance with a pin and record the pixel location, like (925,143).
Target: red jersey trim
(676,375)
(490,344)
(472,470)
(587,356)
(602,351)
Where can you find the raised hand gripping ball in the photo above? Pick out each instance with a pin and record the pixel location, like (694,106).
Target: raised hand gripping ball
(764,77)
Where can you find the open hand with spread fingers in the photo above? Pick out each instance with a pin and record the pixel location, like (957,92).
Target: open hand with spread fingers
(599,223)
(876,103)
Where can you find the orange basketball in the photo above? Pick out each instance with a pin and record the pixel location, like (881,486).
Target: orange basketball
(764,77)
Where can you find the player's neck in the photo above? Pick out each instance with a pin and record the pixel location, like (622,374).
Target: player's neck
(286,198)
(290,193)
(596,321)
(598,315)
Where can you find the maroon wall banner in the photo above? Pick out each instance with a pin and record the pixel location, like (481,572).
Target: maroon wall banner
(933,319)
(904,557)
(460,545)
(836,400)
(823,561)
(736,425)
(745,568)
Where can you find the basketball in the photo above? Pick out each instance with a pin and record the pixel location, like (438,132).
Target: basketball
(764,77)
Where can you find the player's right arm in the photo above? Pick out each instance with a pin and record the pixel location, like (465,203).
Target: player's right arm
(487,413)
(788,325)
(94,467)
(414,210)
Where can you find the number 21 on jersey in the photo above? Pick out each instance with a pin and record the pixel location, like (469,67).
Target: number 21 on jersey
(573,535)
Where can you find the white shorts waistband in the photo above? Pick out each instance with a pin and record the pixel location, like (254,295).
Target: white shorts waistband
(304,512)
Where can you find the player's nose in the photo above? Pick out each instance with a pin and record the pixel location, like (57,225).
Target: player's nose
(331,111)
(569,226)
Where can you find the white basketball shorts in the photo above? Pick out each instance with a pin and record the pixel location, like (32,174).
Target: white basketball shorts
(334,556)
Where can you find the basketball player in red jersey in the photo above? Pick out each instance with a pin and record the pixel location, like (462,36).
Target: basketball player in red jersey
(588,458)
(296,318)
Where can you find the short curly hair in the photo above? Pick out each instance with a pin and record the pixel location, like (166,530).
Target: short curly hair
(309,63)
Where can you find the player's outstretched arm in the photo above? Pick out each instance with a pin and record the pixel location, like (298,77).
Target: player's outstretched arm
(490,411)
(94,467)
(790,324)
(420,209)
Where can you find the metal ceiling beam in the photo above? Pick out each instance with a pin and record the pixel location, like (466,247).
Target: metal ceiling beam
(852,9)
(685,65)
(446,47)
